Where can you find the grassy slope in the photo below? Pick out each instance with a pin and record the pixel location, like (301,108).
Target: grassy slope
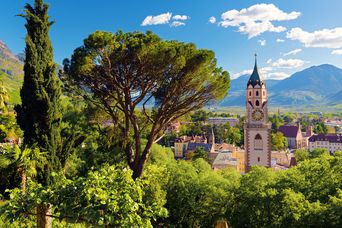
(13,86)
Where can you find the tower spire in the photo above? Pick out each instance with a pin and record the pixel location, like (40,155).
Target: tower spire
(255,78)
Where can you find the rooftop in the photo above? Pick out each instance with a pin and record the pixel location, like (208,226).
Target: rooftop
(255,77)
(289,131)
(330,138)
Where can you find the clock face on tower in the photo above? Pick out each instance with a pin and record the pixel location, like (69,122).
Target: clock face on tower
(257,114)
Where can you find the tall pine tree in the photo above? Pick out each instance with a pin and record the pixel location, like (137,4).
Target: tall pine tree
(40,114)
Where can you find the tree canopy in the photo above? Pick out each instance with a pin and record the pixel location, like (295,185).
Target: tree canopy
(120,72)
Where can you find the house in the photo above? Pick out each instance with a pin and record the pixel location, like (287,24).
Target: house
(182,143)
(224,160)
(227,155)
(331,142)
(281,160)
(294,136)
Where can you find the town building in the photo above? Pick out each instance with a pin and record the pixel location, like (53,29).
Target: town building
(281,160)
(332,143)
(181,144)
(294,136)
(223,120)
(257,127)
(224,160)
(227,155)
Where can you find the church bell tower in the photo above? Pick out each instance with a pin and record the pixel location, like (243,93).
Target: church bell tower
(257,128)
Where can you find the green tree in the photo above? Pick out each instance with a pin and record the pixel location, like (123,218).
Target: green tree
(199,116)
(107,197)
(40,114)
(4,99)
(279,141)
(318,152)
(25,161)
(301,155)
(124,70)
(200,153)
(276,122)
(320,128)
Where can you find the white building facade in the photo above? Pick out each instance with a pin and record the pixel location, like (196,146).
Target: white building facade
(332,143)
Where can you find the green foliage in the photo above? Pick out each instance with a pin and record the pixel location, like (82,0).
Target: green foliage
(318,152)
(320,128)
(279,141)
(108,196)
(301,155)
(231,135)
(199,116)
(118,71)
(276,122)
(4,99)
(40,114)
(200,153)
(8,127)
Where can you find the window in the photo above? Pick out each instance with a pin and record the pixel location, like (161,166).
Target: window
(257,103)
(257,93)
(250,93)
(258,159)
(263,93)
(258,142)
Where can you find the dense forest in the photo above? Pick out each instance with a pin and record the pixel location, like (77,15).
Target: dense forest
(89,156)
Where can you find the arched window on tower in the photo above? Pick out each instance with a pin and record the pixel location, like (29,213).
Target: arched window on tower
(257,103)
(258,142)
(257,93)
(250,93)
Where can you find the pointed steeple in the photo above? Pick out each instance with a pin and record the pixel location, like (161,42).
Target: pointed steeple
(255,79)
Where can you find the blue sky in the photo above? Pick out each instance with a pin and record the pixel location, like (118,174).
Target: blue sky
(288,35)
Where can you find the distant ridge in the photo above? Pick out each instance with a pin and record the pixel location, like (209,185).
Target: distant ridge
(316,85)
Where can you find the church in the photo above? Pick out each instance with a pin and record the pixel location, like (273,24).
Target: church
(257,129)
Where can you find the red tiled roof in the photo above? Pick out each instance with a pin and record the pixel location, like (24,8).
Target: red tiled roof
(289,131)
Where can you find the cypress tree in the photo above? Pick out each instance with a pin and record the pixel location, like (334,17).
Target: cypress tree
(40,114)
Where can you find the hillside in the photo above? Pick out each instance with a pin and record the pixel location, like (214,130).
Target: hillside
(236,93)
(11,72)
(316,85)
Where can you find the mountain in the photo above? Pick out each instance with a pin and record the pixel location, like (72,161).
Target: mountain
(11,72)
(237,91)
(312,85)
(335,98)
(316,85)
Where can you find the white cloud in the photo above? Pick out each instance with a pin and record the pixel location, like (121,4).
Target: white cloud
(280,40)
(262,42)
(337,52)
(265,73)
(157,20)
(326,38)
(277,75)
(256,19)
(212,20)
(293,52)
(269,61)
(288,63)
(244,72)
(177,23)
(165,18)
(180,17)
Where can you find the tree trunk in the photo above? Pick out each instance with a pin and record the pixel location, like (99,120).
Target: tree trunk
(44,221)
(138,169)
(23,181)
